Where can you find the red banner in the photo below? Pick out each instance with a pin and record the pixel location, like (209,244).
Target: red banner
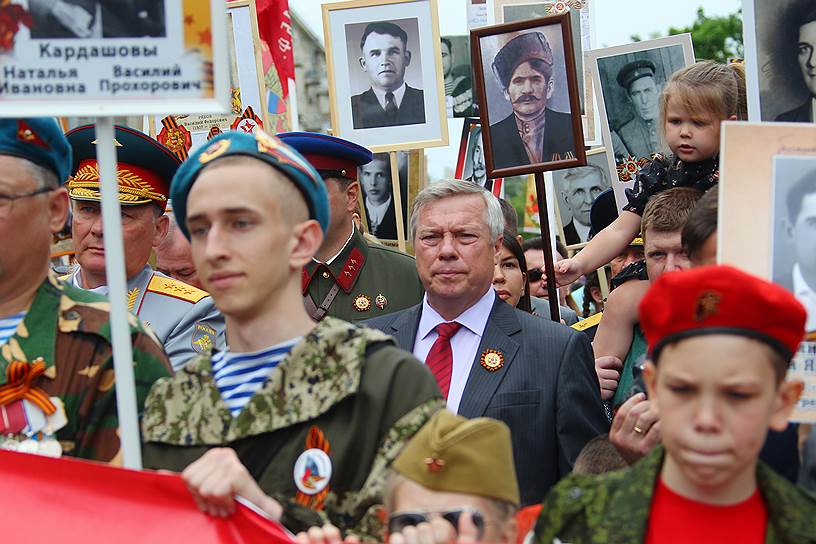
(46,500)
(275,28)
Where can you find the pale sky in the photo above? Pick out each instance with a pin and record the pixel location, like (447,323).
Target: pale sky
(615,21)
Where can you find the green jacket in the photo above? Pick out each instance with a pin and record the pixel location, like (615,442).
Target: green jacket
(614,508)
(70,330)
(373,280)
(350,386)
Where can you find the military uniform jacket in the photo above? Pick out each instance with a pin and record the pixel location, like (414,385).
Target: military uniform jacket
(70,330)
(614,508)
(343,389)
(183,317)
(373,280)
(635,138)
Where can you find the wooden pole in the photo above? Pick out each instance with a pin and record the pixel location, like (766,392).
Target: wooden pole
(546,236)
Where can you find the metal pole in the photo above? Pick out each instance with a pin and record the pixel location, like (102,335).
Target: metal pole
(117,285)
(546,236)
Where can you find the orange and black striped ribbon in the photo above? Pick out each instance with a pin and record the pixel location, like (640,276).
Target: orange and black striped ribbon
(315,440)
(19,376)
(174,137)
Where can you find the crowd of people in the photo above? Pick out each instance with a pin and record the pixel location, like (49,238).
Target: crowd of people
(354,392)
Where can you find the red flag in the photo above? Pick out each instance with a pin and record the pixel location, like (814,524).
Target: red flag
(66,500)
(275,28)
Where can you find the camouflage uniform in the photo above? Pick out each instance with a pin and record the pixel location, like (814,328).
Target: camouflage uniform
(69,329)
(372,280)
(614,508)
(344,389)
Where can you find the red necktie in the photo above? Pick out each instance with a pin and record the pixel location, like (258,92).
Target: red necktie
(440,358)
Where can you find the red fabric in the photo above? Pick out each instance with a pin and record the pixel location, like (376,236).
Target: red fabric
(525,521)
(725,298)
(275,28)
(68,500)
(676,519)
(440,358)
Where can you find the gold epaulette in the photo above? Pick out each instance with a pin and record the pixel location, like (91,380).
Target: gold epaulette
(175,288)
(589,322)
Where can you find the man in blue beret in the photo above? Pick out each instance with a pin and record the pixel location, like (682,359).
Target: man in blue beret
(301,418)
(349,277)
(532,133)
(638,137)
(183,317)
(57,393)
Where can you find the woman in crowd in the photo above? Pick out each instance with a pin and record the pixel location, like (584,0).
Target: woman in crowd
(510,276)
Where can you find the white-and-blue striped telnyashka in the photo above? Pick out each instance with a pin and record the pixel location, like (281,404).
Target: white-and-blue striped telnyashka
(238,376)
(8,325)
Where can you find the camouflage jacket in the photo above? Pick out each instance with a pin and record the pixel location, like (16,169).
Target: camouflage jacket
(343,389)
(614,508)
(70,330)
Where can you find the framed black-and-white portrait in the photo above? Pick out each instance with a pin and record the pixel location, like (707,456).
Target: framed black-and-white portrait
(528,96)
(380,198)
(575,191)
(780,59)
(470,163)
(385,73)
(630,79)
(460,99)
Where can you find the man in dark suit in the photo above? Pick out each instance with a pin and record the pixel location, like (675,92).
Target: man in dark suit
(581,186)
(389,101)
(533,133)
(489,358)
(806,47)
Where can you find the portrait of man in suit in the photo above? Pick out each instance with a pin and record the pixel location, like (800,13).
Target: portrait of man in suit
(55,19)
(806,58)
(532,133)
(489,358)
(375,178)
(580,187)
(389,101)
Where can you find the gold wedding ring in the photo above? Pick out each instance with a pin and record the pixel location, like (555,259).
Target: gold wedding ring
(638,430)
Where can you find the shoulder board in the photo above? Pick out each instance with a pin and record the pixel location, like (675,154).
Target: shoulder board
(588,323)
(176,289)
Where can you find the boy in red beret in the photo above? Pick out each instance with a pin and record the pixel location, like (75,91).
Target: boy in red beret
(720,342)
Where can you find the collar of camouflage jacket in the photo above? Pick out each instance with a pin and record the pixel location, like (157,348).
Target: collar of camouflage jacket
(632,501)
(320,371)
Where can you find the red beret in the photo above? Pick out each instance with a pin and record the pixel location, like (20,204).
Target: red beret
(721,300)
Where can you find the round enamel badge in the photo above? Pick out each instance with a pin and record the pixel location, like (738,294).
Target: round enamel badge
(362,303)
(313,471)
(492,360)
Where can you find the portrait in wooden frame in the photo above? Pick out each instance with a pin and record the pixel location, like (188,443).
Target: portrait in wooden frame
(470,162)
(526,79)
(386,104)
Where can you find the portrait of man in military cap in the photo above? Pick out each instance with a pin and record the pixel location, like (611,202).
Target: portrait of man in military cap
(639,136)
(531,96)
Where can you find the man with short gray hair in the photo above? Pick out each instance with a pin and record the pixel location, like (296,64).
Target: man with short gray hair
(489,358)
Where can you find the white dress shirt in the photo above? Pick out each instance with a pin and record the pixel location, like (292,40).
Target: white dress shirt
(581,229)
(806,296)
(376,212)
(398,94)
(464,343)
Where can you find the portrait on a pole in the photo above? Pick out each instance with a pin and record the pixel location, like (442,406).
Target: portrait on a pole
(575,190)
(460,99)
(95,19)
(385,73)
(528,96)
(470,164)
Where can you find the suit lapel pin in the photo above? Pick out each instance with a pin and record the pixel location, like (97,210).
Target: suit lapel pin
(362,303)
(492,360)
(381,301)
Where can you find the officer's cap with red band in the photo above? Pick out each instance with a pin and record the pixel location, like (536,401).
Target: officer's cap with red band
(145,167)
(331,156)
(720,300)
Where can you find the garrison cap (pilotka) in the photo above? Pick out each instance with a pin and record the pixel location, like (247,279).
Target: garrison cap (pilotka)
(39,140)
(332,157)
(258,145)
(634,71)
(455,454)
(144,167)
(721,300)
(522,48)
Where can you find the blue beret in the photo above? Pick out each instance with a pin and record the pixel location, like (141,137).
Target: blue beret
(40,140)
(263,147)
(328,153)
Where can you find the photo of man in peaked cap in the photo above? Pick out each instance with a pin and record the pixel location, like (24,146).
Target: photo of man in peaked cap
(638,137)
(532,133)
(183,317)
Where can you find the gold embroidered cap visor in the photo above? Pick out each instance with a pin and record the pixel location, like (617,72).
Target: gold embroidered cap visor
(144,170)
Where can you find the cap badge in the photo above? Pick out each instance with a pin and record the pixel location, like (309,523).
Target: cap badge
(362,303)
(708,304)
(434,464)
(27,135)
(381,301)
(492,360)
(214,151)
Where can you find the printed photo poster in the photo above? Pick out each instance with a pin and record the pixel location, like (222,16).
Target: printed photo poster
(112,58)
(247,88)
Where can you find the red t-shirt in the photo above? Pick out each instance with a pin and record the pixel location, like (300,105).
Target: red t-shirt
(676,519)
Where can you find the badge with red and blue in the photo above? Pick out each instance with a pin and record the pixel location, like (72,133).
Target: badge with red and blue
(313,470)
